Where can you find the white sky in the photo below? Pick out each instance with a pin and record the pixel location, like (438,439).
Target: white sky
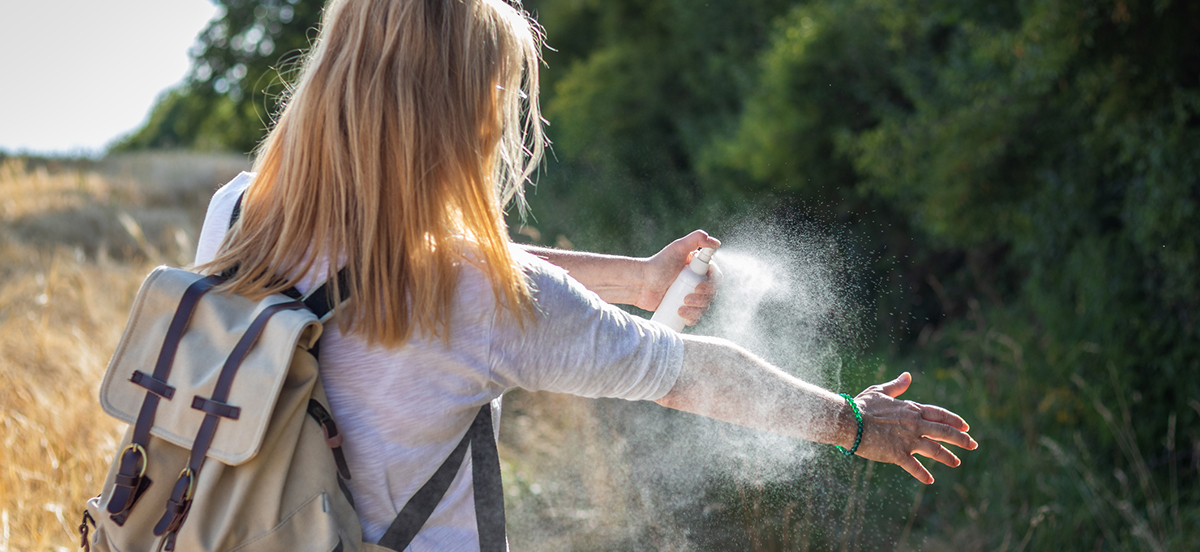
(77,74)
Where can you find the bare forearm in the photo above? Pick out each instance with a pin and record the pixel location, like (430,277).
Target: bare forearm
(616,279)
(723,381)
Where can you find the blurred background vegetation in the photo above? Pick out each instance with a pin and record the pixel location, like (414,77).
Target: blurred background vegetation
(1020,176)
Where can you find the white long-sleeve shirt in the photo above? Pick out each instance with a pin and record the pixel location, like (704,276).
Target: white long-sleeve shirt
(403,410)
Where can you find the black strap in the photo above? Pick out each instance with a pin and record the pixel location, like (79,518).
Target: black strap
(318,300)
(489,496)
(489,491)
(237,209)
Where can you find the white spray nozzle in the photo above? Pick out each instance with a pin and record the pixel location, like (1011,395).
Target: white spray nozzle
(700,260)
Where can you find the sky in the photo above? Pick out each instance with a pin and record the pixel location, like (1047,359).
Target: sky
(75,75)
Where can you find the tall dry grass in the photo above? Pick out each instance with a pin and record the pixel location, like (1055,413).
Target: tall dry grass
(76,238)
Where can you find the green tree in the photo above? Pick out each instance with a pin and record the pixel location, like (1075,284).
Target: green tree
(240,67)
(634,91)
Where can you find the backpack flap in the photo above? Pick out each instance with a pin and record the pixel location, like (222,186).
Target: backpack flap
(216,326)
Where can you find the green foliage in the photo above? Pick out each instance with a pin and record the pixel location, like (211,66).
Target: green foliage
(635,92)
(185,120)
(822,78)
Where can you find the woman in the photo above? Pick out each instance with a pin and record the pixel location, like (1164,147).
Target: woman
(412,125)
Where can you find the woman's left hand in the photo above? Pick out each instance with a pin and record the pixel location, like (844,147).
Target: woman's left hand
(895,430)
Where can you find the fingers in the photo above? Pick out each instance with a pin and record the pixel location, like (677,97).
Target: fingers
(897,386)
(694,307)
(691,315)
(937,452)
(706,289)
(697,239)
(947,427)
(695,304)
(915,469)
(947,434)
(943,416)
(688,244)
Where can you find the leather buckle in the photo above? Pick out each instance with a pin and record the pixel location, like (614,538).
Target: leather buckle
(141,454)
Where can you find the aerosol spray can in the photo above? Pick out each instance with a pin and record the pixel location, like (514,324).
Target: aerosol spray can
(694,273)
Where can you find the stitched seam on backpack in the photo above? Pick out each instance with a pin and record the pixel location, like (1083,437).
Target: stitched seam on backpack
(123,345)
(282,522)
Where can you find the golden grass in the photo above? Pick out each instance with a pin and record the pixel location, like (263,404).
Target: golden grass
(76,238)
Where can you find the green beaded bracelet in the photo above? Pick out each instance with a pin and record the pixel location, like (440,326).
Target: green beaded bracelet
(858,416)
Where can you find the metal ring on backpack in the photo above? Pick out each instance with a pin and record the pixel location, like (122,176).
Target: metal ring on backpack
(142,452)
(191,489)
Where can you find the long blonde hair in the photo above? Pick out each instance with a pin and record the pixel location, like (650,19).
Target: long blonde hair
(412,125)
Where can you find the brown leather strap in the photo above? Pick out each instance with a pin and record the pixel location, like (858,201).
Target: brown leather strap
(152,384)
(166,357)
(84,542)
(133,460)
(216,408)
(333,437)
(177,505)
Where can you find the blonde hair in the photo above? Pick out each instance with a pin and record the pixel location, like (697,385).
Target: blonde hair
(411,126)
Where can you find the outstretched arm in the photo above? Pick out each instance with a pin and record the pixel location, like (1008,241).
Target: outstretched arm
(640,282)
(723,381)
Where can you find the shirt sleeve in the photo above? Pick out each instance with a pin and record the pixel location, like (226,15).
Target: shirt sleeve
(578,344)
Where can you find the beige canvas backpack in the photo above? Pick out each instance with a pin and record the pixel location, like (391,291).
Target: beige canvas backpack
(231,445)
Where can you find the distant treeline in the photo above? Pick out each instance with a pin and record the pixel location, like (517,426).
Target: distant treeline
(1019,172)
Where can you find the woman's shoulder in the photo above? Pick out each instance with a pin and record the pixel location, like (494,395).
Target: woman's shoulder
(216,220)
(232,189)
(220,207)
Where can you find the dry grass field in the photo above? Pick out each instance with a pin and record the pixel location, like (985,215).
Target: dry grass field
(76,238)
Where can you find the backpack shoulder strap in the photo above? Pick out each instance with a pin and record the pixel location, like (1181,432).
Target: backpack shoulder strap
(489,496)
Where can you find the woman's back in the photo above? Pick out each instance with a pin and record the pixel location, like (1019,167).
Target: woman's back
(402,410)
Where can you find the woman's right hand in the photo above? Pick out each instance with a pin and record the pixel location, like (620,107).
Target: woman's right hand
(894,430)
(660,271)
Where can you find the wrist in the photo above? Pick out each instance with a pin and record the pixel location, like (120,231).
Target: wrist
(643,290)
(626,279)
(850,418)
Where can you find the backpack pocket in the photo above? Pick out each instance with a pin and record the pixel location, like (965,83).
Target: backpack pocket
(311,528)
